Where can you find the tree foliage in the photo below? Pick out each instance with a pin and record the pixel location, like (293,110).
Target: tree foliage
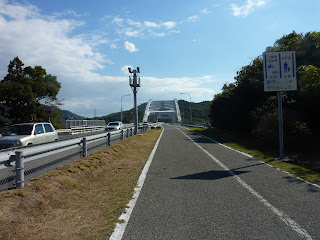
(24,90)
(244,107)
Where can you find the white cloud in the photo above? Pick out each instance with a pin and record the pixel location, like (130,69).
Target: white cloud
(169,25)
(43,39)
(124,69)
(68,13)
(132,33)
(149,24)
(193,18)
(117,21)
(247,8)
(158,34)
(130,47)
(130,28)
(131,22)
(113,45)
(205,11)
(50,42)
(162,88)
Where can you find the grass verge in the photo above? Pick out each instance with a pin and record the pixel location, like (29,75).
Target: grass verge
(305,166)
(81,200)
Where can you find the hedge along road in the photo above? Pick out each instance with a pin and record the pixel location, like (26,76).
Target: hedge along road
(198,189)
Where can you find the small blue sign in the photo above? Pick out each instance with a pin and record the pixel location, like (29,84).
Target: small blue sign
(279,70)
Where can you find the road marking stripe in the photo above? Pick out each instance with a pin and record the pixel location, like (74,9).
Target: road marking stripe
(282,216)
(248,155)
(124,218)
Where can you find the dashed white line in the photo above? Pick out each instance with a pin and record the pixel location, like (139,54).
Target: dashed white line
(282,216)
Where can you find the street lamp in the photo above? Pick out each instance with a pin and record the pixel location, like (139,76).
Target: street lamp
(134,82)
(121,104)
(190,105)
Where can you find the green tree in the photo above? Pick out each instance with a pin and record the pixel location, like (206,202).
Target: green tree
(23,90)
(244,107)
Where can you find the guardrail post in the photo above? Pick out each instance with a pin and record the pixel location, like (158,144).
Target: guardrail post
(131,132)
(109,139)
(19,169)
(84,147)
(121,135)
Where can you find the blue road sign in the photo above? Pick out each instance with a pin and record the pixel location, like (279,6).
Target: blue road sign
(279,71)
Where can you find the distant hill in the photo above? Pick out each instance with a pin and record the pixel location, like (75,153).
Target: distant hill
(200,111)
(70,115)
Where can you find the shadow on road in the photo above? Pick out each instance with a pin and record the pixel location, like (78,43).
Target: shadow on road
(210,175)
(311,188)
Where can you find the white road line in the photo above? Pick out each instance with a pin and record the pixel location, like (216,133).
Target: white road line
(124,218)
(284,217)
(245,154)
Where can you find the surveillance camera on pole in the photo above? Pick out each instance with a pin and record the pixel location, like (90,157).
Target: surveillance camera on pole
(134,82)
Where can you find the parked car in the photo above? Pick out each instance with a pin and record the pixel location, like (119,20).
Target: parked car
(145,123)
(112,126)
(25,134)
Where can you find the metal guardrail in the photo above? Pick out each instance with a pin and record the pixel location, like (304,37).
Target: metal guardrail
(19,156)
(77,130)
(84,123)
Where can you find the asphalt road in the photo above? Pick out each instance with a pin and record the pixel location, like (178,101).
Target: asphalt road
(198,189)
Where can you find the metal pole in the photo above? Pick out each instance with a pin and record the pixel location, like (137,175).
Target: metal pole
(280,125)
(19,169)
(135,104)
(134,85)
(84,147)
(109,139)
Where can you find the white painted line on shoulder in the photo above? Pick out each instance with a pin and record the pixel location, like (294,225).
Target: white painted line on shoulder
(245,154)
(124,218)
(281,215)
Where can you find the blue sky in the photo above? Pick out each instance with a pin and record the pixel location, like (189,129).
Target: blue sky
(181,46)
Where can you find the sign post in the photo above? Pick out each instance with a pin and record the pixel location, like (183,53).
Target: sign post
(279,72)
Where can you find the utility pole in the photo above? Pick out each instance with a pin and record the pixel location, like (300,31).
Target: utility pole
(134,82)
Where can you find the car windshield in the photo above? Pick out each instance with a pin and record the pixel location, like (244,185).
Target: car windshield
(113,124)
(19,130)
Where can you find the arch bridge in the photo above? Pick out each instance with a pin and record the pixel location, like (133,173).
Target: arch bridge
(162,110)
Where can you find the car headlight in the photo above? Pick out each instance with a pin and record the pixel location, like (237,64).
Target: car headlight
(18,143)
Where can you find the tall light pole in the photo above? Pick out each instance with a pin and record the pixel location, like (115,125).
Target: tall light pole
(121,104)
(134,82)
(190,105)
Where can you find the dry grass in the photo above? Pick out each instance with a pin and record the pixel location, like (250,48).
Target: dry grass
(81,200)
